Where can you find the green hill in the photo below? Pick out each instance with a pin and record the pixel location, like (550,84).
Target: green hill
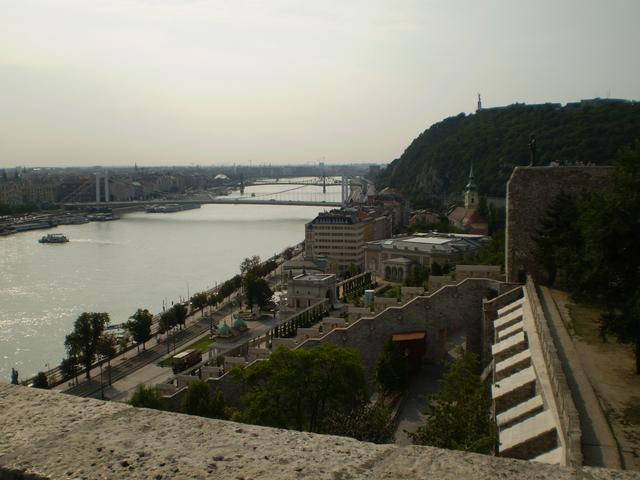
(434,168)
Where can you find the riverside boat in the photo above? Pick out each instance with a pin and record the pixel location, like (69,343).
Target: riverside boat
(54,238)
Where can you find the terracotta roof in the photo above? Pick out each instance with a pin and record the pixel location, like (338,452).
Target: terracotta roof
(403,337)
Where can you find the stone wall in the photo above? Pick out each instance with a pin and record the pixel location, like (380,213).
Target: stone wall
(569,419)
(51,435)
(450,310)
(529,192)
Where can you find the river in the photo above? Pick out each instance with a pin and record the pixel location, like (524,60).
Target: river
(139,261)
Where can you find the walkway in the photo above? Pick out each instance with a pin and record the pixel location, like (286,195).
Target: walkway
(598,444)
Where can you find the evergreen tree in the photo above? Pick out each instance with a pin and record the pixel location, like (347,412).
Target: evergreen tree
(558,238)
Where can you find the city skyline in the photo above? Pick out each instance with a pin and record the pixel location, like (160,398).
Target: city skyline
(205,82)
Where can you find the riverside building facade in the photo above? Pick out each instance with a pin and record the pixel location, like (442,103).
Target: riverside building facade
(340,236)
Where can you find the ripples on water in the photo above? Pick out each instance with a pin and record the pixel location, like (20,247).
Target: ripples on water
(119,266)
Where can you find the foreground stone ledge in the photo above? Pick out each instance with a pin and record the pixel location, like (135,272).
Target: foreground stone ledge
(46,434)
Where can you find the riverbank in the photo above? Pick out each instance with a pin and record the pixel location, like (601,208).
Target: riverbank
(140,261)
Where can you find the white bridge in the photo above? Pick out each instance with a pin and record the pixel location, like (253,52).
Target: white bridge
(277,198)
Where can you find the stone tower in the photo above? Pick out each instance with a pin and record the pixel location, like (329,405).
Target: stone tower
(471,193)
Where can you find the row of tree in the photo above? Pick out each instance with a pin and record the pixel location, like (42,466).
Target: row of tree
(589,245)
(323,390)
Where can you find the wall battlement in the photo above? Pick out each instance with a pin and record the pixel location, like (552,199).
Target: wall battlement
(51,435)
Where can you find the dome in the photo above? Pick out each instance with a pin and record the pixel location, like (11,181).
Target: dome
(224,330)
(238,324)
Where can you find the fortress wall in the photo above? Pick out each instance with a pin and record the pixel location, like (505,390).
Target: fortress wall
(530,190)
(567,411)
(452,309)
(48,434)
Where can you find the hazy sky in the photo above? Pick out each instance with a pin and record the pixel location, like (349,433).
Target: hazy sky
(113,82)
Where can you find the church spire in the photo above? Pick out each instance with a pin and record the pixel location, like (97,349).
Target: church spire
(471,193)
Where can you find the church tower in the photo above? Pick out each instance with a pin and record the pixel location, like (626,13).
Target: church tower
(471,193)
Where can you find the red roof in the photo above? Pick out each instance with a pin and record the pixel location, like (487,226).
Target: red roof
(403,337)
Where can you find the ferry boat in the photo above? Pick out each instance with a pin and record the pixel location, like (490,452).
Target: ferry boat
(54,238)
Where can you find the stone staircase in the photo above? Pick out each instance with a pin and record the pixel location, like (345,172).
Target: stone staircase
(526,424)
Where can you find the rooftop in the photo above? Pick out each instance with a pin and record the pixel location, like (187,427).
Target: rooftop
(313,277)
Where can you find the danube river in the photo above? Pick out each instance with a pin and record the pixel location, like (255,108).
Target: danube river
(119,266)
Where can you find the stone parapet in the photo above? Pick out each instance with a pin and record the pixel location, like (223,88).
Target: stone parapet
(51,435)
(567,412)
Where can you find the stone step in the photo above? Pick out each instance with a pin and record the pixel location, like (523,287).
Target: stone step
(513,390)
(508,319)
(554,457)
(520,412)
(531,438)
(513,364)
(509,347)
(507,308)
(507,332)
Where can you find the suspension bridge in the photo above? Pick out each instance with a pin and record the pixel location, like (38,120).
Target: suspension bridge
(289,197)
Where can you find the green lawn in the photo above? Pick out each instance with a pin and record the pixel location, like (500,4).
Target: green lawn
(202,345)
(585,322)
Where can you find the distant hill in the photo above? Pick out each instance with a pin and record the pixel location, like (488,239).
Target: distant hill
(434,168)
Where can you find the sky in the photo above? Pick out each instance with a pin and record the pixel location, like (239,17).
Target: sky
(181,82)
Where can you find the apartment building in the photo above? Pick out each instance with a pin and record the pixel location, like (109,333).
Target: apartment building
(340,236)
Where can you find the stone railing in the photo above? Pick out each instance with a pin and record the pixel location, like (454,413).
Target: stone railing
(569,418)
(50,435)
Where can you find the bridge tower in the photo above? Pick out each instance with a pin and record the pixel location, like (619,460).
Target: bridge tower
(104,179)
(345,191)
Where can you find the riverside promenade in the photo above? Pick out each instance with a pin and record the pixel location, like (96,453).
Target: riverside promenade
(132,368)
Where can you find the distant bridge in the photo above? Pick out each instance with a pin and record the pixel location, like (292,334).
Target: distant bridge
(214,201)
(276,198)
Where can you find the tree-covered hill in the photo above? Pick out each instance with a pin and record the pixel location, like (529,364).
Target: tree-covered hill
(435,167)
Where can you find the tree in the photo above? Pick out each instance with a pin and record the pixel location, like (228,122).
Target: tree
(417,276)
(69,368)
(83,341)
(367,423)
(257,291)
(199,400)
(107,347)
(139,325)
(459,416)
(249,264)
(298,389)
(199,300)
(147,397)
(558,237)
(611,228)
(181,313)
(392,369)
(167,321)
(41,381)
